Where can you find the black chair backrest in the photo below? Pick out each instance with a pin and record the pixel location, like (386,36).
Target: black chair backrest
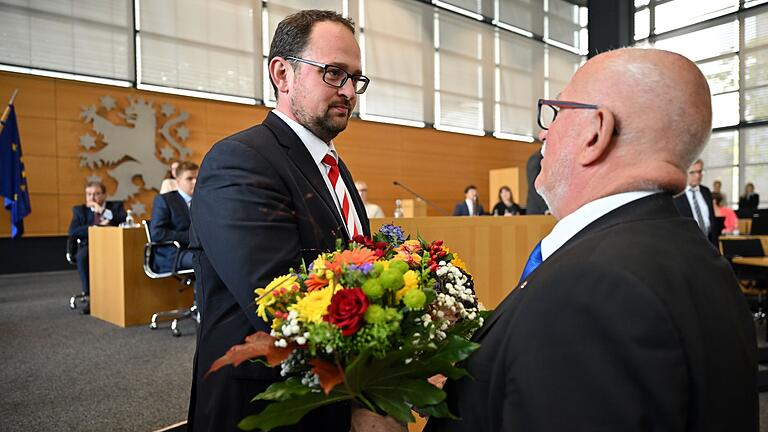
(759,225)
(719,225)
(743,248)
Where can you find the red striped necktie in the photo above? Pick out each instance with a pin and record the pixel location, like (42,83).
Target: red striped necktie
(348,213)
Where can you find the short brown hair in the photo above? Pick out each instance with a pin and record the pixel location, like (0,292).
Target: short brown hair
(97,184)
(292,33)
(186,166)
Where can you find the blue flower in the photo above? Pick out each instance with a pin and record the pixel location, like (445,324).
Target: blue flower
(394,233)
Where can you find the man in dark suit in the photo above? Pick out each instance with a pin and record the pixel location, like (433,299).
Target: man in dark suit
(748,202)
(96,211)
(170,220)
(535,204)
(470,206)
(630,322)
(268,198)
(696,202)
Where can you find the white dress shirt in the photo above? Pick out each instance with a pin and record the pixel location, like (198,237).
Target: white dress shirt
(572,224)
(470,206)
(318,149)
(702,205)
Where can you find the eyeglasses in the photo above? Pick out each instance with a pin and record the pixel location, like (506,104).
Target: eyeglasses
(336,76)
(548,115)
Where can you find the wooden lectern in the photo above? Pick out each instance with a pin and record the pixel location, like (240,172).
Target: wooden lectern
(414,208)
(120,291)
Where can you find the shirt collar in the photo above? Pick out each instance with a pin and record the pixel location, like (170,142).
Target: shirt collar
(572,224)
(317,148)
(187,198)
(690,188)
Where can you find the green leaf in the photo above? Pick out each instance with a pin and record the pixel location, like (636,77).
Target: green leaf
(393,404)
(290,411)
(416,391)
(284,390)
(439,410)
(454,349)
(354,374)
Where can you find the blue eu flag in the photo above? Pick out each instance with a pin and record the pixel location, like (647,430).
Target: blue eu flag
(13,178)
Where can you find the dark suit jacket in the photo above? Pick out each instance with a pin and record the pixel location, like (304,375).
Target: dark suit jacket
(261,206)
(461,209)
(170,222)
(633,325)
(748,205)
(82,218)
(681,202)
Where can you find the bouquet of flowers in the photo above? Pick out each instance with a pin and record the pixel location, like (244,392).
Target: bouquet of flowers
(370,322)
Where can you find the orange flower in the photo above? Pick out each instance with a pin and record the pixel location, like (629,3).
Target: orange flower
(358,257)
(315,282)
(410,252)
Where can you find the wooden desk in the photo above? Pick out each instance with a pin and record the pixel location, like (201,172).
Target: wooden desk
(120,291)
(763,239)
(751,261)
(495,249)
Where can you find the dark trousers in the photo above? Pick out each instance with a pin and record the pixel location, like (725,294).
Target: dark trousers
(82,268)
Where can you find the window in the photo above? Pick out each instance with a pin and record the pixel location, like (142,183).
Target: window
(201,45)
(520,83)
(81,37)
(737,73)
(459,74)
(398,50)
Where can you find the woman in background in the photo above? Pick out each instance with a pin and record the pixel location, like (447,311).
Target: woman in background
(506,205)
(731,221)
(749,201)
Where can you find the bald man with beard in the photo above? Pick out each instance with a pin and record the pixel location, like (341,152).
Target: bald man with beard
(631,322)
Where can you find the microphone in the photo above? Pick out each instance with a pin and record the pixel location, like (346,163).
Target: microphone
(430,203)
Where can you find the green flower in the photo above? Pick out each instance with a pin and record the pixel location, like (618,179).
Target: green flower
(415,299)
(373,289)
(391,279)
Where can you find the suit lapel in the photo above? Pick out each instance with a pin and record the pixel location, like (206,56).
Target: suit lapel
(300,157)
(654,206)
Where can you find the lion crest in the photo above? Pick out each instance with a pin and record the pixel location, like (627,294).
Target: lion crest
(131,150)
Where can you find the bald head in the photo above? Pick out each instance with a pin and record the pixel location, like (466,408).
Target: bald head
(653,118)
(660,99)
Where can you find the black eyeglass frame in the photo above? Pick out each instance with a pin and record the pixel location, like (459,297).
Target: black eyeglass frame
(355,78)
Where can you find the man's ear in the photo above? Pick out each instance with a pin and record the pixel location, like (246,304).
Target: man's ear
(599,143)
(281,73)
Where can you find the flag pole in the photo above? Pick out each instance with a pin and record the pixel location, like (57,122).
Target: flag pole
(8,109)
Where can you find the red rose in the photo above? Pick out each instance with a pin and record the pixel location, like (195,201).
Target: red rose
(347,309)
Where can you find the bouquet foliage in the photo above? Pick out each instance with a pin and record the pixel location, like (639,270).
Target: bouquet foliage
(369,322)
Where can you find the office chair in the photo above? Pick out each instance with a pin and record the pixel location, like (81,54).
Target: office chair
(185,276)
(73,244)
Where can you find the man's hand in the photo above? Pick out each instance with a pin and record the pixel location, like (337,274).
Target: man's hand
(364,420)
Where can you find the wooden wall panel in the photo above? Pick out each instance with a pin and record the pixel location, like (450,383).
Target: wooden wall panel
(44,219)
(38,138)
(41,174)
(36,95)
(436,164)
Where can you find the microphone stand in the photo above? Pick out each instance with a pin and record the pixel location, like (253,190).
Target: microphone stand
(430,203)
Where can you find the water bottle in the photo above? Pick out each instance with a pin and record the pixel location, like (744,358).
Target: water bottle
(399,209)
(129,222)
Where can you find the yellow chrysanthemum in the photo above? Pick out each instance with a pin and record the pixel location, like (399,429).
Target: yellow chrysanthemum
(314,305)
(456,261)
(318,265)
(265,297)
(411,280)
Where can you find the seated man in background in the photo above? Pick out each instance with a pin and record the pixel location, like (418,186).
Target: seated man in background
(170,220)
(470,206)
(371,209)
(96,211)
